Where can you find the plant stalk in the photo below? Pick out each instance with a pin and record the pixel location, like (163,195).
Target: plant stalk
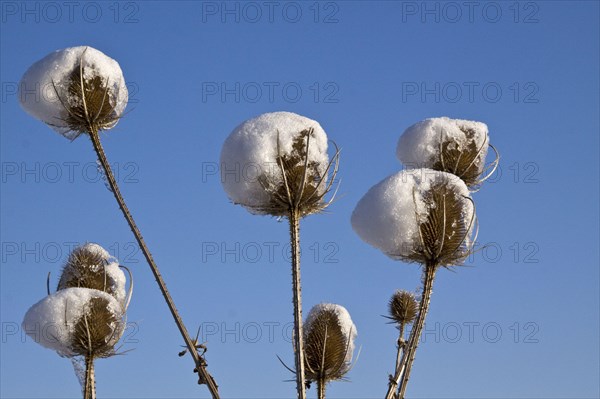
(397,385)
(429,276)
(401,345)
(204,376)
(321,388)
(294,219)
(89,388)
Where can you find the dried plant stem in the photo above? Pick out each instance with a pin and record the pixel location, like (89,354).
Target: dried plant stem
(294,219)
(415,336)
(321,388)
(204,376)
(89,388)
(401,345)
(394,381)
(397,384)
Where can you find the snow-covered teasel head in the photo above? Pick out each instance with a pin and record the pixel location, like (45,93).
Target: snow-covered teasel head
(449,145)
(76,322)
(418,215)
(74,90)
(329,335)
(91,266)
(276,162)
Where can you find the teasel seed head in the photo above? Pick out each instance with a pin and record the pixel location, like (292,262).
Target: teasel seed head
(403,308)
(75,90)
(445,233)
(449,145)
(77,322)
(99,329)
(91,266)
(277,162)
(329,335)
(419,215)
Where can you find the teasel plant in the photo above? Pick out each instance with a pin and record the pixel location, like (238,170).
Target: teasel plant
(329,345)
(295,188)
(403,308)
(89,97)
(444,242)
(417,216)
(87,311)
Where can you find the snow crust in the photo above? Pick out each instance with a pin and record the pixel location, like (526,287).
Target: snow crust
(419,145)
(344,321)
(38,97)
(251,150)
(389,214)
(51,321)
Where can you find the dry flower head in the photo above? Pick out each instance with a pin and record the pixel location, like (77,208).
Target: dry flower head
(303,186)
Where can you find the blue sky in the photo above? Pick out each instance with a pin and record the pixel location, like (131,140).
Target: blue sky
(522,321)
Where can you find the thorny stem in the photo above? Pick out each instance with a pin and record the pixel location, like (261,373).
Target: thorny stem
(89,388)
(321,388)
(415,336)
(397,384)
(204,376)
(294,219)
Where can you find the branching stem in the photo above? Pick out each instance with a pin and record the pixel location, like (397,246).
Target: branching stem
(397,384)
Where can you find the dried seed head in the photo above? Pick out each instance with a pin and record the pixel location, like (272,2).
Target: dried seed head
(98,330)
(329,336)
(75,90)
(90,266)
(76,321)
(303,185)
(418,215)
(277,162)
(445,232)
(449,145)
(403,308)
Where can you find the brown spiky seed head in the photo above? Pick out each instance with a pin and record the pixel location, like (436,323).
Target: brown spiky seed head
(329,343)
(455,146)
(89,105)
(446,230)
(403,307)
(90,266)
(466,162)
(308,192)
(277,163)
(99,329)
(75,90)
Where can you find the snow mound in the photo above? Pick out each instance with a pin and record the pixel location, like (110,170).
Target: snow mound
(389,215)
(51,322)
(249,156)
(50,76)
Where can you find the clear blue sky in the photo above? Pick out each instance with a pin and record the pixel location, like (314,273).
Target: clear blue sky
(521,322)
